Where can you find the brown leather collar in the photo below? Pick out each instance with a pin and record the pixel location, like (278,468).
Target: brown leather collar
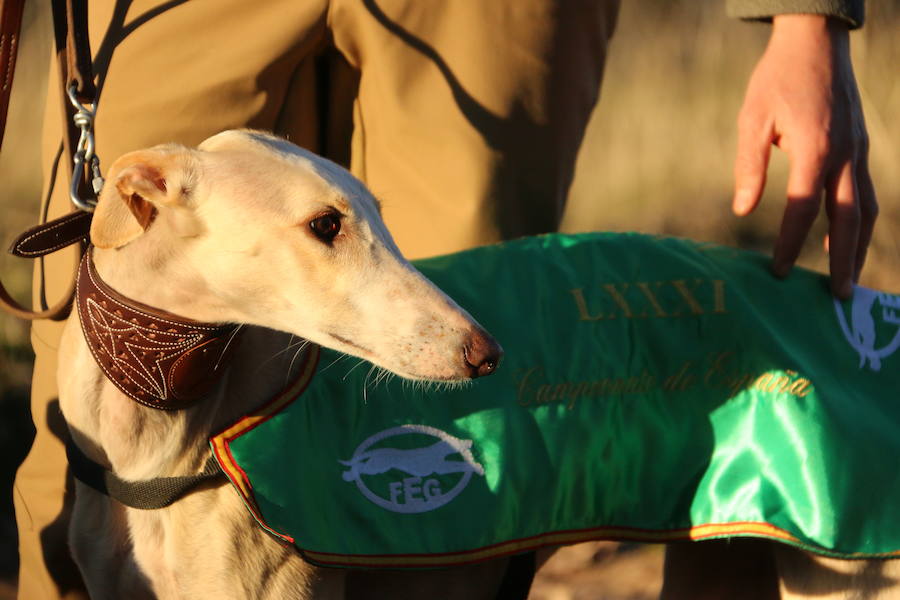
(155,358)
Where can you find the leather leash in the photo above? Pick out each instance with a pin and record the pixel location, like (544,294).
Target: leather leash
(10,28)
(196,353)
(76,77)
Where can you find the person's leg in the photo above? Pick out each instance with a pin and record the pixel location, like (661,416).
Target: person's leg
(467,123)
(170,71)
(738,568)
(468,120)
(42,495)
(470,114)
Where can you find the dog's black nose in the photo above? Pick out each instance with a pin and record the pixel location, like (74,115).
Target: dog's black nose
(482,353)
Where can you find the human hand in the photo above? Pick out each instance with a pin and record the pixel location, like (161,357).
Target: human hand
(802,97)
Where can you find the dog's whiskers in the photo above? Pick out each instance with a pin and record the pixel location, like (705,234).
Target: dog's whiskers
(365,387)
(299,351)
(380,376)
(347,374)
(290,346)
(368,375)
(434,387)
(336,360)
(384,376)
(227,344)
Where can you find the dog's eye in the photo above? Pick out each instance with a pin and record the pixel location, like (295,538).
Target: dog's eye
(326,227)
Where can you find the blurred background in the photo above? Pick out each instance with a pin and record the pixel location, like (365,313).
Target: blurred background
(657,158)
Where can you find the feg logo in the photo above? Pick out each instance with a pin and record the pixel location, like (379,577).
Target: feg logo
(428,470)
(861,332)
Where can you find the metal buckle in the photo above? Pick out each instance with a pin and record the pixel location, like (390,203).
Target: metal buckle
(84,156)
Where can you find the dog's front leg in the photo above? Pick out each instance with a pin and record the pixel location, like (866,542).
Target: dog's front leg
(102,549)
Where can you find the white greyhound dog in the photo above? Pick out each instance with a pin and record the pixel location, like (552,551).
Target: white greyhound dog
(246,229)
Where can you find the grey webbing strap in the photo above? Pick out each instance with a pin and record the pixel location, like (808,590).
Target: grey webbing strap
(147,494)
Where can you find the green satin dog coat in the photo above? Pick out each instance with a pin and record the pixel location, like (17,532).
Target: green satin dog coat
(652,389)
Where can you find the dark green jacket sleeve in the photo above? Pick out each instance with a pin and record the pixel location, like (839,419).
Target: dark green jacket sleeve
(851,11)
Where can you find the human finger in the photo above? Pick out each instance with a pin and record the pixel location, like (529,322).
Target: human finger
(868,213)
(803,200)
(842,202)
(753,150)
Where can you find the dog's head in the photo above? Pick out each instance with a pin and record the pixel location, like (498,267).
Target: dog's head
(249,228)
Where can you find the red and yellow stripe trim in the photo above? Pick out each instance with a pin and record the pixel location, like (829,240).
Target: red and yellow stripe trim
(220,443)
(558,538)
(561,538)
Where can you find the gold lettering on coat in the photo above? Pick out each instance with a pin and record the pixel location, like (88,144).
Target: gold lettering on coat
(648,293)
(681,286)
(719,296)
(619,298)
(581,303)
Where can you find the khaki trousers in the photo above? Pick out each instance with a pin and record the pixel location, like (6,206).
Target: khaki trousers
(464,117)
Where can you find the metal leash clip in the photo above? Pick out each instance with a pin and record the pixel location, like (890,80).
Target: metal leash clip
(84,153)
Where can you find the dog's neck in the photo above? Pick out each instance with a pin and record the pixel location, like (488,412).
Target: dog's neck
(156,358)
(138,442)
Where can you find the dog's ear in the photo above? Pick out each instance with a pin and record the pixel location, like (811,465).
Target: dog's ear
(137,185)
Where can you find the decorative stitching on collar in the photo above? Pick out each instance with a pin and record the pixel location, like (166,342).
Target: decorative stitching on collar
(158,360)
(43,231)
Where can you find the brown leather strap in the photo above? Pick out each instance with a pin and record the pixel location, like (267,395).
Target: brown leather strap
(53,235)
(58,312)
(40,241)
(10,28)
(155,358)
(78,51)
(73,59)
(70,26)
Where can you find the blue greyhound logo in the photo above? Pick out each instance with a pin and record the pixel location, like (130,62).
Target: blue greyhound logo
(418,492)
(861,332)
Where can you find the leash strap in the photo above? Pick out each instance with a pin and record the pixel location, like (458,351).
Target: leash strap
(40,241)
(52,235)
(10,28)
(79,93)
(77,46)
(148,494)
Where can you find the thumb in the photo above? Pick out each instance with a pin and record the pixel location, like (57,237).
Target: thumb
(753,150)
